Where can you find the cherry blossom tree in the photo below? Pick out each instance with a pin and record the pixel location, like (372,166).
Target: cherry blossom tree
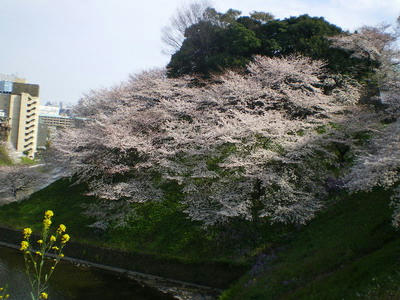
(243,146)
(15,180)
(378,164)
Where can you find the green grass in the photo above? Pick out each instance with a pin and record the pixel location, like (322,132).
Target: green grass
(27,161)
(65,200)
(349,251)
(159,228)
(5,160)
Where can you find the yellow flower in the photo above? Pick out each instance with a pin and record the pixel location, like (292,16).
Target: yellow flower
(65,238)
(46,223)
(48,214)
(38,253)
(40,242)
(62,228)
(1,289)
(53,238)
(55,248)
(27,233)
(44,296)
(61,255)
(7,296)
(24,245)
(1,297)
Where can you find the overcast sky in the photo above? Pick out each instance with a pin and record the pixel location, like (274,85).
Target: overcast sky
(72,46)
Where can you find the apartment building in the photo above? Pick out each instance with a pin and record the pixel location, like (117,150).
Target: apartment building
(51,119)
(57,121)
(19,103)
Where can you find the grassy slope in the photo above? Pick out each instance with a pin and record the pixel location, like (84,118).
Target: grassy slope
(60,197)
(160,228)
(350,251)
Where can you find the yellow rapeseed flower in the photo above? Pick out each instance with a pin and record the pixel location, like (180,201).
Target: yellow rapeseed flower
(55,248)
(46,223)
(24,245)
(61,255)
(62,228)
(27,233)
(7,296)
(38,253)
(48,214)
(44,296)
(40,242)
(1,289)
(65,238)
(53,238)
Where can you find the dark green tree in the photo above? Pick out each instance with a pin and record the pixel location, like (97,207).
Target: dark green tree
(261,16)
(210,48)
(196,53)
(230,40)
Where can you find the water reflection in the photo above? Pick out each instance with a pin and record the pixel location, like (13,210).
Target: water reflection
(71,282)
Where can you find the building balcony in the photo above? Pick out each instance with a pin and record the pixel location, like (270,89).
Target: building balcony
(29,144)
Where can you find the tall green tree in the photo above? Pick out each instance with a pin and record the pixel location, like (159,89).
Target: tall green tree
(230,40)
(210,48)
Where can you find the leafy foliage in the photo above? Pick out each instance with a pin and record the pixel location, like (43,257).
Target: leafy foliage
(211,47)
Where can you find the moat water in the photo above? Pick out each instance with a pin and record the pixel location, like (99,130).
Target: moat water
(71,282)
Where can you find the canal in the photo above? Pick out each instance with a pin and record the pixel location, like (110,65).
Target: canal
(72,282)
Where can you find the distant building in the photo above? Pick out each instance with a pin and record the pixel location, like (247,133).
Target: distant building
(50,120)
(49,110)
(19,103)
(57,121)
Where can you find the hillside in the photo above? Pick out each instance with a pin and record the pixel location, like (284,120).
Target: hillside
(160,229)
(285,173)
(350,251)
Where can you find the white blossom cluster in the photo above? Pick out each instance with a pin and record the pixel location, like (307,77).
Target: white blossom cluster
(378,164)
(236,146)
